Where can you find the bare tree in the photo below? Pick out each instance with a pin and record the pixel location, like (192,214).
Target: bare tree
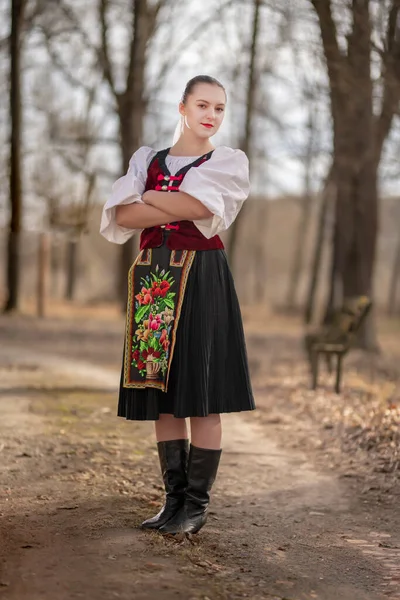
(130,99)
(245,143)
(326,202)
(127,89)
(358,136)
(125,78)
(394,281)
(68,199)
(306,206)
(17,17)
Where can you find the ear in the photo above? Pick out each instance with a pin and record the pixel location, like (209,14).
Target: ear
(182,109)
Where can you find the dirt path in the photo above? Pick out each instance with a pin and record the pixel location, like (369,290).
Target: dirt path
(76,482)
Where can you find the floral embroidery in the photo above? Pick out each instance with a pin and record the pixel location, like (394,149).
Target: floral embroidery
(154,314)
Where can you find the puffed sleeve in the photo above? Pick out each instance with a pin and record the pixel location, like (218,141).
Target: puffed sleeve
(126,190)
(222,185)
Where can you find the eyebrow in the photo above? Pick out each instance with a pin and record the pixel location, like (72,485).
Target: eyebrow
(207,102)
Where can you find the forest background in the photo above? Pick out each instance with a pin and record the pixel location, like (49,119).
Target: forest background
(313,96)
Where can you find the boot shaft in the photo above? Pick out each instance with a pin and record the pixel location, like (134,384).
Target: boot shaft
(202,471)
(173,456)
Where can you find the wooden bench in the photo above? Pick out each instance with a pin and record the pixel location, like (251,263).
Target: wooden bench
(336,338)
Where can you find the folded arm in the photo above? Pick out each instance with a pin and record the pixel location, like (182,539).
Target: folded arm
(140,216)
(183,205)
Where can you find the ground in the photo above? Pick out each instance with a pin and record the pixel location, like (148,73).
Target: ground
(305,505)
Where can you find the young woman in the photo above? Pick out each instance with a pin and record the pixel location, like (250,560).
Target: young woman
(184,353)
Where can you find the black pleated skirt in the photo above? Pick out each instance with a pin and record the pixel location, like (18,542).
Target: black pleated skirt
(209,370)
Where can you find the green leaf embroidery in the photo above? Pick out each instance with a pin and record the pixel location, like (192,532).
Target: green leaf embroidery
(153,343)
(141,312)
(169,303)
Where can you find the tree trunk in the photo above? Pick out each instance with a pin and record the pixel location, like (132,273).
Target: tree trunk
(394,282)
(318,249)
(358,141)
(43,269)
(299,247)
(259,261)
(55,263)
(304,222)
(72,248)
(335,288)
(357,225)
(17,15)
(245,144)
(131,111)
(130,142)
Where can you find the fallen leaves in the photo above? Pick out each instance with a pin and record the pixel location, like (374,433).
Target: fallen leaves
(362,422)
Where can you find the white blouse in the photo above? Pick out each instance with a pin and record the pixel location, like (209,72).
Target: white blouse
(220,183)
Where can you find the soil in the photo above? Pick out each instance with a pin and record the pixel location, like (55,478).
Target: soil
(305,505)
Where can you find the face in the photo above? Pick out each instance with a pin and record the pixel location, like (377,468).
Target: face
(204,110)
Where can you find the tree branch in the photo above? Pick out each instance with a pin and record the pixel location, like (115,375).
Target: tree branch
(92,141)
(73,27)
(335,60)
(154,12)
(391,77)
(166,65)
(77,27)
(74,165)
(104,53)
(140,35)
(57,62)
(4,43)
(359,42)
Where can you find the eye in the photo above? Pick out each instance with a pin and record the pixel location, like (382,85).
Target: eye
(202,105)
(220,109)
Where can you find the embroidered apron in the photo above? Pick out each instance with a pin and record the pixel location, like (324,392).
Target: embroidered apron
(156,288)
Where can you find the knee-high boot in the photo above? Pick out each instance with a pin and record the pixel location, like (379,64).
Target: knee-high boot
(202,471)
(173,456)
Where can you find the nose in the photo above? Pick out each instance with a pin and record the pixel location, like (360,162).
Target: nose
(211,113)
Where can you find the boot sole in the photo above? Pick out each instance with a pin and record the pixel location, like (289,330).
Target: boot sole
(181,530)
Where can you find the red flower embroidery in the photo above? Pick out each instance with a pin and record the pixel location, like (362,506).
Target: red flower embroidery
(150,353)
(157,292)
(151,340)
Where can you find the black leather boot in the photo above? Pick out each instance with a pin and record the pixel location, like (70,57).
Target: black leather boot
(173,456)
(202,470)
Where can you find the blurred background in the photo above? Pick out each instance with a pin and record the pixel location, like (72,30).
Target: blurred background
(313,99)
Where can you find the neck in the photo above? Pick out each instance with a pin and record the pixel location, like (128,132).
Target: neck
(188,145)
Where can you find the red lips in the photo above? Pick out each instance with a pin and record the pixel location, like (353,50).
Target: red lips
(207,125)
